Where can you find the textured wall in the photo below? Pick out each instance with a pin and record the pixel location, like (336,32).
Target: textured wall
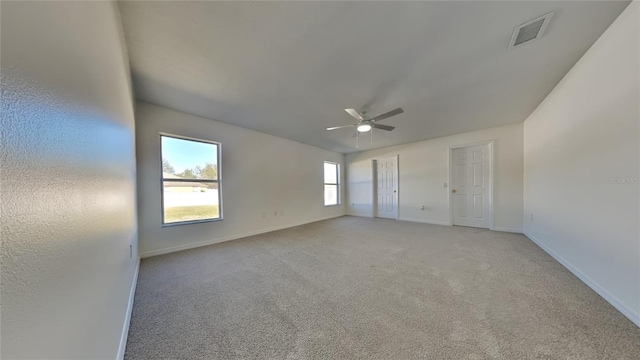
(260,174)
(68,181)
(582,154)
(424,168)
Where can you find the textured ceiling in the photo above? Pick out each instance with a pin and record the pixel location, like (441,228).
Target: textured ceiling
(291,68)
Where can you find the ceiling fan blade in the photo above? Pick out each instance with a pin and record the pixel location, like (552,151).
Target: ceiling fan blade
(383,127)
(388,114)
(339,127)
(356,115)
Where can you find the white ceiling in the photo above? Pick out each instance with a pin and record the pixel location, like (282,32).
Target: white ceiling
(291,68)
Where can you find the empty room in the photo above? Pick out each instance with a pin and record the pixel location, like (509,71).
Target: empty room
(320,180)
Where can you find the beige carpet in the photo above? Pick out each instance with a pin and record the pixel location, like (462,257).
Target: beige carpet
(357,288)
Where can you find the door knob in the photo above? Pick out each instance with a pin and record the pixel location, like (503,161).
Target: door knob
(453,191)
(395,191)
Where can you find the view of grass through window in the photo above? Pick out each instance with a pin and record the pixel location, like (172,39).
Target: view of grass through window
(190,180)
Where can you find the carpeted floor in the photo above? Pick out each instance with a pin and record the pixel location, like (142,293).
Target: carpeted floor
(358,288)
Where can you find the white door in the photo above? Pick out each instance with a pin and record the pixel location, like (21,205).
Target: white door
(387,188)
(470,187)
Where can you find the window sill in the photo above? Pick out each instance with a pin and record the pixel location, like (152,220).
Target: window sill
(190,222)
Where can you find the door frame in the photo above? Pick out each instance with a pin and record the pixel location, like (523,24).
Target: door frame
(492,162)
(374,187)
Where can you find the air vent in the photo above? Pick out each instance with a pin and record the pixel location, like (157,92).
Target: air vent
(529,31)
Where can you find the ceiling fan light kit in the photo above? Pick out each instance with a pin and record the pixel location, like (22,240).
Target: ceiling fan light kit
(364,127)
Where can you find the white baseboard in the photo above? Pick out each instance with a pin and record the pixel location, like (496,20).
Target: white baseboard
(505,229)
(127,317)
(432,222)
(610,298)
(228,238)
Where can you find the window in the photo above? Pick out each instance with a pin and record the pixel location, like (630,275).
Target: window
(190,180)
(331,183)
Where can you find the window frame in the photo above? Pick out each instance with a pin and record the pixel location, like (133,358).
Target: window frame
(337,184)
(216,181)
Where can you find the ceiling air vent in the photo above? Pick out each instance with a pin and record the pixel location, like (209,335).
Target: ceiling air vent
(529,31)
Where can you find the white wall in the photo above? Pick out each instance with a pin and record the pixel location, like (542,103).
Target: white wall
(68,181)
(424,168)
(260,174)
(582,136)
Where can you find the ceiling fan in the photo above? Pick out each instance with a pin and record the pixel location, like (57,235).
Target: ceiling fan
(365,124)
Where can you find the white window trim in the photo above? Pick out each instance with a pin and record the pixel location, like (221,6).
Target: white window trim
(218,181)
(338,186)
